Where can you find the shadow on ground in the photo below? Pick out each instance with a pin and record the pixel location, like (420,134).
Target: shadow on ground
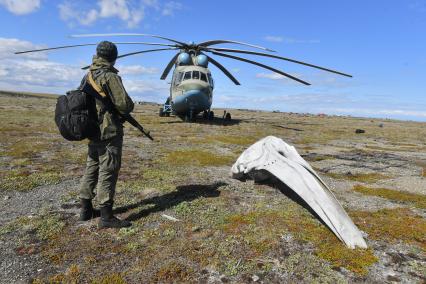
(200,120)
(274,182)
(168,200)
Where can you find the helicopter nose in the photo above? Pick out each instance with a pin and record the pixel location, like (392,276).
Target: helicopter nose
(194,99)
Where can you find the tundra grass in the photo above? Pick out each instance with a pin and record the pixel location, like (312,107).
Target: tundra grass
(418,200)
(359,177)
(198,158)
(393,225)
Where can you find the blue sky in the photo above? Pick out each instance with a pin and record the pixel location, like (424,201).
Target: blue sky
(381,43)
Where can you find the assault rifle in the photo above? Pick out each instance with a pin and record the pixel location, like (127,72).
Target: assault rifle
(103,93)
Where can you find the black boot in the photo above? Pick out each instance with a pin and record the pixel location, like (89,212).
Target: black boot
(108,220)
(87,211)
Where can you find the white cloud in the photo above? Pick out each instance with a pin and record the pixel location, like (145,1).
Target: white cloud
(8,46)
(170,8)
(274,38)
(20,7)
(130,12)
(272,76)
(122,10)
(136,70)
(289,40)
(35,72)
(69,13)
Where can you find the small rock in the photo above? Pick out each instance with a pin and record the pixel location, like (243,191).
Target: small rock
(381,125)
(255,278)
(195,229)
(224,279)
(358,131)
(7,197)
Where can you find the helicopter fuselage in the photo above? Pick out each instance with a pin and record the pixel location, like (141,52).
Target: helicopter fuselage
(191,90)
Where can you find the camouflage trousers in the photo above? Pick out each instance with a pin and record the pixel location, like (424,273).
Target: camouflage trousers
(102,167)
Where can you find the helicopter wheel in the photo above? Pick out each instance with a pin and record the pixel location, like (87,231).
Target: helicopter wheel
(228,117)
(161,112)
(205,114)
(211,115)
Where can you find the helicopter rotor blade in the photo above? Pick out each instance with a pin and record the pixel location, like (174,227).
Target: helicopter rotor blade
(90,44)
(169,66)
(219,41)
(128,34)
(137,52)
(261,65)
(223,69)
(280,57)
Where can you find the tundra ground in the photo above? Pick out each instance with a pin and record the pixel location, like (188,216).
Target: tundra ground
(226,230)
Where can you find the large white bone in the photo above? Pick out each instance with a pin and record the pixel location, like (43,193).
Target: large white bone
(273,155)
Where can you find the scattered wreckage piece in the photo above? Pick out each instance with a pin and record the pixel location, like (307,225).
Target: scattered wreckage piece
(272,156)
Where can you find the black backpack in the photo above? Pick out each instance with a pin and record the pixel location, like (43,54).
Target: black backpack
(76,116)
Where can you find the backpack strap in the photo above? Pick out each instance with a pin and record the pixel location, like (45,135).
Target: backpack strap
(95,86)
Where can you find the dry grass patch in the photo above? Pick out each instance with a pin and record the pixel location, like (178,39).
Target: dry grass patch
(418,200)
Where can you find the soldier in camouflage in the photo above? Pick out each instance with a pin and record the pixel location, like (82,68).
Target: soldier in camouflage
(104,153)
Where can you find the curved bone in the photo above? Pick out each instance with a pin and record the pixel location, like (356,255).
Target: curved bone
(273,155)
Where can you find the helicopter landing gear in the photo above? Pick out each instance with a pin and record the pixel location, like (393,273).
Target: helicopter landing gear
(226,117)
(190,117)
(210,116)
(205,115)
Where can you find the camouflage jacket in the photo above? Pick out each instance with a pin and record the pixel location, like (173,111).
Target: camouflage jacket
(103,72)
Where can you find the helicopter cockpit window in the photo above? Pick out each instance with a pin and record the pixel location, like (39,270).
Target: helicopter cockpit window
(203,77)
(196,75)
(187,75)
(211,80)
(178,78)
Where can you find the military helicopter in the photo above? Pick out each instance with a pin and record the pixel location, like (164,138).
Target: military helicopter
(191,90)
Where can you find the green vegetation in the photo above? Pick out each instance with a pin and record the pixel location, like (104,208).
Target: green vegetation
(359,177)
(260,231)
(236,140)
(393,225)
(198,158)
(46,226)
(24,181)
(225,228)
(418,200)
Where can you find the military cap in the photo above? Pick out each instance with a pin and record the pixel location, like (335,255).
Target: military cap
(107,50)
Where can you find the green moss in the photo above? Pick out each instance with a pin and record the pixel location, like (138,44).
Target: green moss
(49,226)
(24,181)
(113,278)
(198,158)
(46,226)
(260,230)
(173,272)
(368,178)
(393,225)
(418,200)
(236,140)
